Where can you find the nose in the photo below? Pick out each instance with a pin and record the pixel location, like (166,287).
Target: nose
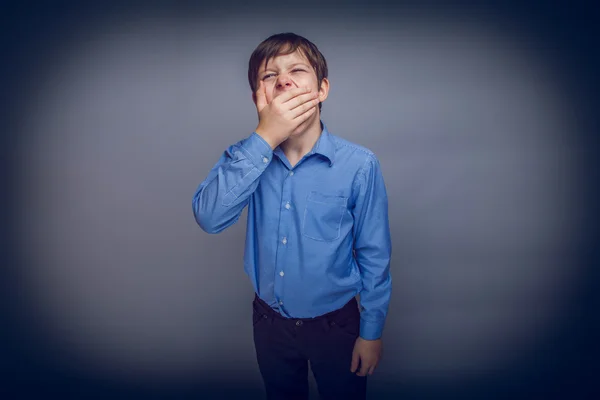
(284,82)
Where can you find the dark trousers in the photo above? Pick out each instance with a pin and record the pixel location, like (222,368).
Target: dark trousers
(285,346)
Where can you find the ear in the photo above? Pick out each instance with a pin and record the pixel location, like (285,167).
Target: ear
(324,90)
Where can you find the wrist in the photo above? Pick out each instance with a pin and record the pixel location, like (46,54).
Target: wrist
(370,340)
(267,138)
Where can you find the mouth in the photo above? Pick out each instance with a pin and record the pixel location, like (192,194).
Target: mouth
(279,92)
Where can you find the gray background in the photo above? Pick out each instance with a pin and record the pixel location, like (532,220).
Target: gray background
(472,125)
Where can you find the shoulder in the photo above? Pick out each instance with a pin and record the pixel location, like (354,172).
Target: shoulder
(358,154)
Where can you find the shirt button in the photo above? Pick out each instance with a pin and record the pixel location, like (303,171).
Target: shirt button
(284,241)
(287,205)
(291,173)
(265,160)
(281,273)
(280,302)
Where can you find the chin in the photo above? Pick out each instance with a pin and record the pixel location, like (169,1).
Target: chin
(297,132)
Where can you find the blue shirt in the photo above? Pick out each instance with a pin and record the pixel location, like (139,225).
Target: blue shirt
(317,233)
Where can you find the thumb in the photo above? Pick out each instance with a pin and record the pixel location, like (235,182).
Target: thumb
(355,359)
(261,96)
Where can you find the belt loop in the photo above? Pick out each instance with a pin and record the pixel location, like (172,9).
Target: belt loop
(325,322)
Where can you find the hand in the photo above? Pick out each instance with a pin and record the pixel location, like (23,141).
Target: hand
(368,352)
(278,119)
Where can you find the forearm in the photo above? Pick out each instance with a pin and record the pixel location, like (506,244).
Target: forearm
(374,302)
(219,200)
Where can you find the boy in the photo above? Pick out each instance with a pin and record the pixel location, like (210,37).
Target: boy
(317,230)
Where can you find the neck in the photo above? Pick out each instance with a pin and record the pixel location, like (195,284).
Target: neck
(303,140)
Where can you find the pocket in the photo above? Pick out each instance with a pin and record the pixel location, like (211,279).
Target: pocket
(348,324)
(257,315)
(323,216)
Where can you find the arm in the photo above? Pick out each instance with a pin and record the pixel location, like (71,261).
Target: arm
(372,247)
(372,250)
(219,200)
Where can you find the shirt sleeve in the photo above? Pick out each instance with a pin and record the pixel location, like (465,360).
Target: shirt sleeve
(372,248)
(220,199)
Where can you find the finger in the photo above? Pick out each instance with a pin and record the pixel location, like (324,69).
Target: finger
(306,107)
(364,369)
(261,96)
(372,369)
(354,363)
(301,99)
(302,118)
(290,94)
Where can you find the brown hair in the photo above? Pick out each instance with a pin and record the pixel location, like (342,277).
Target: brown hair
(283,44)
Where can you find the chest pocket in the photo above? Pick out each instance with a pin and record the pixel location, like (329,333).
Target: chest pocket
(323,216)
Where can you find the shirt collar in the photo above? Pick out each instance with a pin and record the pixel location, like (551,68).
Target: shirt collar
(325,145)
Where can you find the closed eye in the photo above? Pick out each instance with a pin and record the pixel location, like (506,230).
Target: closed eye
(268,76)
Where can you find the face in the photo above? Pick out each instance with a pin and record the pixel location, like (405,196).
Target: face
(290,71)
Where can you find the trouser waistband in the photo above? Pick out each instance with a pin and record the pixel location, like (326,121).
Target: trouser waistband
(350,306)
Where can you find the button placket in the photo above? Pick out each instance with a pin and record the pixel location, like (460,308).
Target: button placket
(285,224)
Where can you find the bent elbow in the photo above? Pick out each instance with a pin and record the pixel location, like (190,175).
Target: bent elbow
(204,218)
(206,224)
(211,218)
